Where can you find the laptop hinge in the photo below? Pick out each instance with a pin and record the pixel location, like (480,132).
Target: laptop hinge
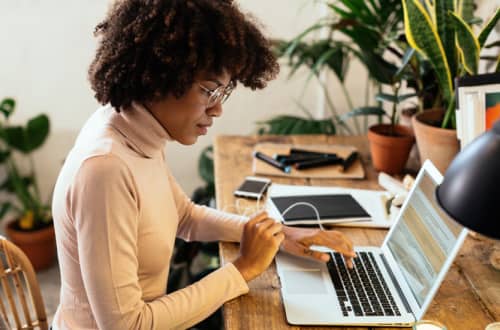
(396,284)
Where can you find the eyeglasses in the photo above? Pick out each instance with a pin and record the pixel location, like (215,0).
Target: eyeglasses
(219,94)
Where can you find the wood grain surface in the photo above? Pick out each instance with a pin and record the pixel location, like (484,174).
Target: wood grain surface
(468,299)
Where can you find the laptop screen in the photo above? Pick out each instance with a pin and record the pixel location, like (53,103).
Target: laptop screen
(423,238)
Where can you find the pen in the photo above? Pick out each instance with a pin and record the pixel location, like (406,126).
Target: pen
(318,162)
(349,160)
(271,161)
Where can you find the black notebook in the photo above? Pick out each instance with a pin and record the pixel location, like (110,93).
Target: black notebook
(331,208)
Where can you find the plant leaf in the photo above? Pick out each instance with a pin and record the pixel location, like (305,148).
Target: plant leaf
(7,106)
(493,44)
(286,125)
(386,97)
(485,32)
(206,166)
(364,111)
(4,155)
(446,32)
(404,62)
(403,97)
(467,44)
(465,10)
(4,209)
(31,137)
(422,36)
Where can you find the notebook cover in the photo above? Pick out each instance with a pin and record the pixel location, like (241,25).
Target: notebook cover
(331,209)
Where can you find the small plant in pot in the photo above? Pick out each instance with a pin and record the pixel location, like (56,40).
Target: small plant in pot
(31,228)
(390,144)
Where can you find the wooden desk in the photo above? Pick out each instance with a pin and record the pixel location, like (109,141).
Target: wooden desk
(468,299)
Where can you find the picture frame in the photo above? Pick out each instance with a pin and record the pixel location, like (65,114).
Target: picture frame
(478,105)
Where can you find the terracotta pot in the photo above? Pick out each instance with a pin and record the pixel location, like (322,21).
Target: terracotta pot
(39,245)
(390,153)
(435,143)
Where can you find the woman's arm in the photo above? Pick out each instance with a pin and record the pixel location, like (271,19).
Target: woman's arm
(201,223)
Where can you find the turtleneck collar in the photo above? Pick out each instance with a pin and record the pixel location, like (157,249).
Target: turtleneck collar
(141,129)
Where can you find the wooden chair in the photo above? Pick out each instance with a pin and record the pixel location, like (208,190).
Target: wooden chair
(21,302)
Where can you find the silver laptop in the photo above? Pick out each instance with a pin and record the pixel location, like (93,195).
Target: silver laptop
(389,286)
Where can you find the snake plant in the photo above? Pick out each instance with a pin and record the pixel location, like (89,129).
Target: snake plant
(441,31)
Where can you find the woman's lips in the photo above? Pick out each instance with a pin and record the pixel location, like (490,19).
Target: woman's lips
(203,129)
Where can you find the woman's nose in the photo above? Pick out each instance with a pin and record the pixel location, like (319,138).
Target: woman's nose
(215,110)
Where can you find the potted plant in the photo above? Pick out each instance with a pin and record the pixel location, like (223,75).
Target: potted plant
(31,228)
(390,143)
(442,33)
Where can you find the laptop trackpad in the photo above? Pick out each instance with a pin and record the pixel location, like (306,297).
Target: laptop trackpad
(304,281)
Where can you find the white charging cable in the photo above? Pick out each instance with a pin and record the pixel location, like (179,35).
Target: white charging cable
(318,219)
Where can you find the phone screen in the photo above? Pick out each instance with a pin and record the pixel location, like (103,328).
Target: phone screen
(253,186)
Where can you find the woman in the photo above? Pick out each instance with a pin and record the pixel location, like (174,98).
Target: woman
(162,71)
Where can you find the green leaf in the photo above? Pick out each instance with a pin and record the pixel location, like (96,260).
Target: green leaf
(404,62)
(7,106)
(475,21)
(493,44)
(485,32)
(287,125)
(4,155)
(298,38)
(386,97)
(403,97)
(497,67)
(364,111)
(206,166)
(4,209)
(26,139)
(467,44)
(446,32)
(465,10)
(423,36)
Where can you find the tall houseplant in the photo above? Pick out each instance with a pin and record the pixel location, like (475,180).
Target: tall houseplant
(354,29)
(441,31)
(31,228)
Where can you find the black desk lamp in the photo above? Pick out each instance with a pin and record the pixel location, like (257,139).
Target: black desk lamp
(470,191)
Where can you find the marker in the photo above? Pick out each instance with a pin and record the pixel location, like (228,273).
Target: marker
(294,151)
(297,158)
(271,161)
(326,161)
(349,160)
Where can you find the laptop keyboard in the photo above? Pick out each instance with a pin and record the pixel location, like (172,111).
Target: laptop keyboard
(361,290)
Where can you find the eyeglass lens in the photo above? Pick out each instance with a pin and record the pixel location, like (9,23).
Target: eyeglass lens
(220,94)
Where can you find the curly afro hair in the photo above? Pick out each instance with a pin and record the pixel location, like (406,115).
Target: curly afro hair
(153,48)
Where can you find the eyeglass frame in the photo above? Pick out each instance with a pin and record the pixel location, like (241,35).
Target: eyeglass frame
(220,94)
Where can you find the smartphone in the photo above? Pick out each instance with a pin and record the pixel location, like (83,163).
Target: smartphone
(253,187)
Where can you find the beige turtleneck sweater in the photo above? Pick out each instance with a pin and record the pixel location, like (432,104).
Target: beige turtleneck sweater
(117,210)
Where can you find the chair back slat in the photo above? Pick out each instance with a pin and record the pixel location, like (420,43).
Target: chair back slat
(17,272)
(16,278)
(7,288)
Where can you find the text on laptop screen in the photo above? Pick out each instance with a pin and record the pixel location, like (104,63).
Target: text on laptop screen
(423,238)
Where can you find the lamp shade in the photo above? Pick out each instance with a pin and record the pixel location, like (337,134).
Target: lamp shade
(470,191)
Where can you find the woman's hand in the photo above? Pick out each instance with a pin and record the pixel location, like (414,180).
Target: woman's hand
(299,240)
(259,244)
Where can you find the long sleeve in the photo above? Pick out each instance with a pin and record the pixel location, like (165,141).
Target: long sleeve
(106,208)
(201,223)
